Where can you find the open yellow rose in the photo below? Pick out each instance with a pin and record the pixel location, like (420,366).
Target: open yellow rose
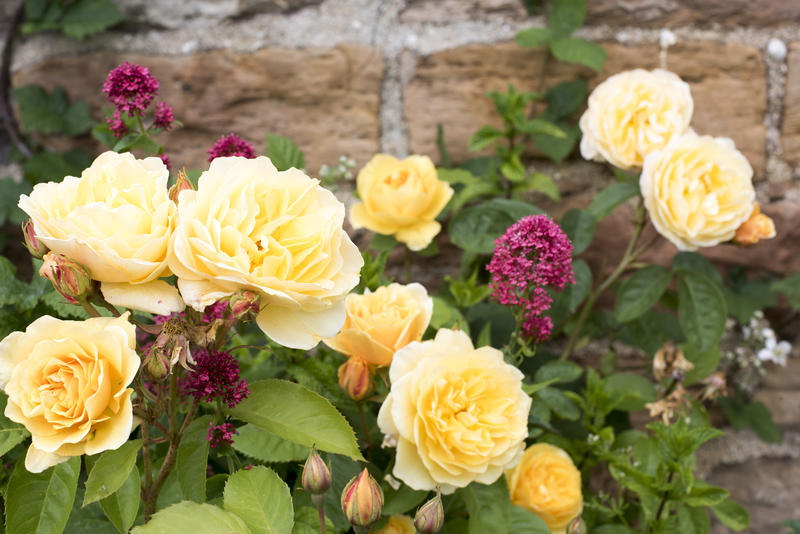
(400,198)
(697,190)
(398,524)
(633,113)
(458,414)
(115,220)
(278,234)
(379,324)
(547,483)
(67,383)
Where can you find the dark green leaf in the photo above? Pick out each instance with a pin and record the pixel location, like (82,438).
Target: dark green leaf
(284,153)
(566,16)
(110,471)
(306,521)
(563,371)
(87,17)
(11,433)
(694,262)
(77,119)
(640,292)
(701,309)
(650,331)
(191,460)
(533,37)
(790,286)
(38,110)
(456,176)
(53,166)
(122,506)
(489,507)
(40,503)
(523,521)
(634,390)
(583,284)
(555,148)
(267,447)
(704,363)
(566,98)
(609,198)
(445,315)
(261,499)
(579,226)
(382,242)
(575,50)
(742,414)
(475,229)
(561,405)
(401,500)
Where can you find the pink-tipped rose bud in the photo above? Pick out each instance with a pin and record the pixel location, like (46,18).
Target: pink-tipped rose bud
(430,516)
(244,305)
(32,243)
(182,183)
(357,378)
(71,279)
(316,478)
(362,500)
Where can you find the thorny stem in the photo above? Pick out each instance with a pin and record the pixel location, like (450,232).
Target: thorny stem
(5,84)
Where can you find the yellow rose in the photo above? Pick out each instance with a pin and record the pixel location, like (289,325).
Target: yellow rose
(633,113)
(67,383)
(547,483)
(278,234)
(379,324)
(115,220)
(698,190)
(458,414)
(400,198)
(398,524)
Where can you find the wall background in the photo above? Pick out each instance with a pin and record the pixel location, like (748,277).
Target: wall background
(360,76)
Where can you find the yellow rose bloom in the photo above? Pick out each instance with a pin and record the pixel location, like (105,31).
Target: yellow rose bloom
(66,382)
(697,190)
(457,414)
(278,234)
(379,324)
(398,524)
(115,220)
(633,113)
(400,198)
(547,483)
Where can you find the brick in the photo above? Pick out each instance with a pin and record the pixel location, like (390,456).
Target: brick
(791,107)
(324,100)
(727,80)
(671,13)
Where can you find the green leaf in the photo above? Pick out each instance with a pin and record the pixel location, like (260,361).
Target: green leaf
(445,315)
(640,292)
(402,500)
(513,169)
(195,518)
(483,138)
(342,471)
(11,433)
(38,110)
(693,520)
(543,127)
(583,284)
(694,262)
(306,521)
(634,390)
(579,226)
(561,405)
(742,414)
(10,192)
(581,51)
(261,499)
(40,503)
(790,286)
(566,16)
(191,460)
(563,371)
(53,166)
(444,155)
(523,521)
(489,507)
(77,119)
(705,363)
(541,182)
(706,496)
(284,153)
(475,229)
(122,506)
(731,514)
(110,471)
(267,447)
(381,242)
(701,309)
(566,98)
(87,17)
(533,37)
(294,413)
(609,198)
(456,176)
(558,148)
(650,331)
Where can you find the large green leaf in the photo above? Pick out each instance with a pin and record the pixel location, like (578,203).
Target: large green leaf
(261,499)
(122,506)
(191,460)
(561,405)
(579,225)
(265,446)
(731,514)
(292,412)
(562,371)
(110,471)
(193,518)
(566,16)
(640,292)
(40,503)
(701,309)
(284,153)
(523,521)
(581,51)
(533,37)
(87,17)
(704,363)
(612,196)
(11,433)
(634,390)
(489,507)
(475,229)
(566,98)
(694,262)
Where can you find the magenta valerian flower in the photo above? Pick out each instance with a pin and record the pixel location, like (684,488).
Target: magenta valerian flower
(533,255)
(164,116)
(215,375)
(117,125)
(231,145)
(220,435)
(165,159)
(130,88)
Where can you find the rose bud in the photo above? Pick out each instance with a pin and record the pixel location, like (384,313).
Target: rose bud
(362,501)
(316,476)
(244,305)
(356,378)
(757,227)
(577,526)
(182,183)
(71,279)
(430,516)
(32,243)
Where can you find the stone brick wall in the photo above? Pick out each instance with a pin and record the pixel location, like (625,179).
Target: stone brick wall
(360,76)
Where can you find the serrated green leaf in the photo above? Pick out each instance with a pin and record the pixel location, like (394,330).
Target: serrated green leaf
(284,153)
(694,262)
(267,447)
(483,138)
(533,37)
(561,405)
(579,225)
(191,460)
(476,228)
(609,198)
(489,507)
(110,471)
(122,506)
(261,499)
(87,17)
(38,110)
(701,309)
(640,292)
(566,16)
(731,514)
(62,308)
(194,518)
(40,503)
(581,51)
(296,414)
(11,433)
(566,98)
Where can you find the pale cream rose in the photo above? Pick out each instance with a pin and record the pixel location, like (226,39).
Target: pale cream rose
(278,234)
(115,220)
(67,383)
(633,113)
(547,483)
(697,190)
(398,524)
(458,414)
(400,198)
(379,324)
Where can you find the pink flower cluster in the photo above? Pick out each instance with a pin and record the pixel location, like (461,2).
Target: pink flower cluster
(131,88)
(215,375)
(231,145)
(534,254)
(220,435)
(164,116)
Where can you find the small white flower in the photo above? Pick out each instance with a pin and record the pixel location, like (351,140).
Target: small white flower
(775,351)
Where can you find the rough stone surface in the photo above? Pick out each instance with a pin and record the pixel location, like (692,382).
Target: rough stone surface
(791,117)
(324,100)
(727,83)
(436,10)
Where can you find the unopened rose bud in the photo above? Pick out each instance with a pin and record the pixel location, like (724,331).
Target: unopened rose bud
(430,516)
(71,279)
(316,478)
(356,378)
(182,183)
(32,243)
(244,304)
(362,501)
(577,526)
(157,365)
(755,228)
